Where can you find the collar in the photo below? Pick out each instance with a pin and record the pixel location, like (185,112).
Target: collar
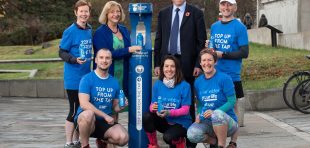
(182,7)
(80,27)
(227,21)
(100,77)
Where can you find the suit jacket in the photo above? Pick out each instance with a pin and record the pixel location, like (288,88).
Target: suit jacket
(192,37)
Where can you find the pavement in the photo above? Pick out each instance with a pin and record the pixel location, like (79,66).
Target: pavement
(39,123)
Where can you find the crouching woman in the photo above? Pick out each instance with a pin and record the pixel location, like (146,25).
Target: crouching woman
(216,119)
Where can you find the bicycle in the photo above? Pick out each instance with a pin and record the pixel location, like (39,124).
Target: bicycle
(301,97)
(291,83)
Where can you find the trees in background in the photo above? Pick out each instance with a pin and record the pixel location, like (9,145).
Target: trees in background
(36,21)
(33,21)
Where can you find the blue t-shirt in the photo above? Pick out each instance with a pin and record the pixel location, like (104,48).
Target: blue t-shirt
(212,93)
(102,92)
(228,38)
(174,98)
(72,40)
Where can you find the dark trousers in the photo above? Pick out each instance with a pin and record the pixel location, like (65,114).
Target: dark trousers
(152,123)
(73,98)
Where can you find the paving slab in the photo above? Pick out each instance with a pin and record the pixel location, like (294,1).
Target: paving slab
(39,123)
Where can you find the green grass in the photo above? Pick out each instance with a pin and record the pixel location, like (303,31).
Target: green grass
(45,70)
(17,52)
(268,67)
(12,76)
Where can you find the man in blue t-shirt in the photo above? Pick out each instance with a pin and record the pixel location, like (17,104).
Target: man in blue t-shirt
(98,95)
(229,39)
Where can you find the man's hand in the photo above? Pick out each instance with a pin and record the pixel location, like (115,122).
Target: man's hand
(196,72)
(109,119)
(80,61)
(219,54)
(207,43)
(157,71)
(126,104)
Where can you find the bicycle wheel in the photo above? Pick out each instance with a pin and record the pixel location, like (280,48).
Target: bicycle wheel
(301,97)
(290,84)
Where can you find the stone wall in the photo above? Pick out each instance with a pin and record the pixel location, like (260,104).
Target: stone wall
(254,100)
(291,40)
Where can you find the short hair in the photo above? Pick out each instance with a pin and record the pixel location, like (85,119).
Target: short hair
(80,3)
(104,49)
(103,18)
(178,70)
(210,51)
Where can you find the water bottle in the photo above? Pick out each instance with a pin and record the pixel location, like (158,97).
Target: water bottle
(210,45)
(140,39)
(82,53)
(160,106)
(141,30)
(121,98)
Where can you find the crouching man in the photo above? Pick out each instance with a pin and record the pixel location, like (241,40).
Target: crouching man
(98,95)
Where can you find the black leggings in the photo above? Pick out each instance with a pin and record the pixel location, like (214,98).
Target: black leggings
(152,122)
(73,97)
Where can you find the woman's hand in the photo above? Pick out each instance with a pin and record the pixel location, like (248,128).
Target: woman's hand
(133,49)
(197,120)
(80,61)
(154,107)
(163,113)
(207,113)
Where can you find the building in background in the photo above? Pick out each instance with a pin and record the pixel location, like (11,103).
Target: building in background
(292,17)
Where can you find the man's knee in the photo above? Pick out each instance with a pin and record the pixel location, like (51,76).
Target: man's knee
(195,134)
(86,118)
(117,133)
(123,139)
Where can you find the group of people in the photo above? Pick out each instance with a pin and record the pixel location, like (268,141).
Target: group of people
(195,97)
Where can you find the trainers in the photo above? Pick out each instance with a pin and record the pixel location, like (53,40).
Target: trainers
(77,145)
(100,143)
(232,145)
(71,145)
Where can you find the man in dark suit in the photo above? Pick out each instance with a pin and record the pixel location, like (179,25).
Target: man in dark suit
(184,42)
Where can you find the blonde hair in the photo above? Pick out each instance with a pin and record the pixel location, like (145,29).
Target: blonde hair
(82,3)
(103,18)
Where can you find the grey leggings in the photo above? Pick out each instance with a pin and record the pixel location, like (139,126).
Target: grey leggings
(198,132)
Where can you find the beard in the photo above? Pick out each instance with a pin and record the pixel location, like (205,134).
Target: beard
(103,69)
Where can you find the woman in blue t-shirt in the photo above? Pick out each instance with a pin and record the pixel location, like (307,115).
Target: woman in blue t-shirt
(76,50)
(169,109)
(216,97)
